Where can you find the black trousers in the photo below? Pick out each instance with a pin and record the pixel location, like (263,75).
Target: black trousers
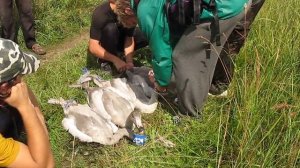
(225,68)
(26,19)
(112,40)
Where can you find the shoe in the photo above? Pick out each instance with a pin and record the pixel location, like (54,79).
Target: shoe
(218,90)
(36,48)
(108,67)
(223,94)
(105,66)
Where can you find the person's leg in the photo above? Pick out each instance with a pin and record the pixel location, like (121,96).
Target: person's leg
(25,10)
(194,60)
(225,67)
(140,41)
(110,40)
(8,29)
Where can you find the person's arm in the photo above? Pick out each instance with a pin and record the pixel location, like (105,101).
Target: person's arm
(37,152)
(154,24)
(97,50)
(37,108)
(129,51)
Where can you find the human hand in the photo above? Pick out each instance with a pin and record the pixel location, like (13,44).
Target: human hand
(19,97)
(157,87)
(129,65)
(160,89)
(120,65)
(151,77)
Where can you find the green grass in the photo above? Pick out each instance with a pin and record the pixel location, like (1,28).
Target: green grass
(57,20)
(246,129)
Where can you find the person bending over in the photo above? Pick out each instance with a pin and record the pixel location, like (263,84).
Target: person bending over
(19,111)
(109,40)
(186,51)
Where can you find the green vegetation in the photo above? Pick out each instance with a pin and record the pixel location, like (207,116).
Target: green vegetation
(257,125)
(56,20)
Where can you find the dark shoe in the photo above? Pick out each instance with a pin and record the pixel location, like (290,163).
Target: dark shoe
(36,48)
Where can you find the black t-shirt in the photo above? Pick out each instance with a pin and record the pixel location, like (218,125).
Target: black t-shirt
(103,15)
(11,123)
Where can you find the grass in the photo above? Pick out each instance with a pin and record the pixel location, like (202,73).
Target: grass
(57,20)
(257,125)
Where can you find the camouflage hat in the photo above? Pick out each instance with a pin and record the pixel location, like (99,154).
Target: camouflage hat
(14,62)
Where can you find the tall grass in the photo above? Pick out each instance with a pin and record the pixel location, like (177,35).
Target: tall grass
(263,129)
(257,125)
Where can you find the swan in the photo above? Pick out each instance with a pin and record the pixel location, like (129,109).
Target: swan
(86,125)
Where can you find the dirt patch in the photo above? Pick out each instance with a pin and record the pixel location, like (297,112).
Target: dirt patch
(66,45)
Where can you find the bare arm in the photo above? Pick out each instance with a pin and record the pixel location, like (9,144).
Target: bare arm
(129,50)
(97,50)
(37,108)
(37,153)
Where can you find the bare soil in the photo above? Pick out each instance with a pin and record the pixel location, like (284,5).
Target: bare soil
(65,46)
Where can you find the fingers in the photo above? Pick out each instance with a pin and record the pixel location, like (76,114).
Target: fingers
(125,66)
(120,65)
(18,96)
(159,88)
(122,69)
(151,76)
(151,73)
(129,65)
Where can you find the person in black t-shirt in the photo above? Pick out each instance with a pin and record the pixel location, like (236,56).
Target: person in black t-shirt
(109,40)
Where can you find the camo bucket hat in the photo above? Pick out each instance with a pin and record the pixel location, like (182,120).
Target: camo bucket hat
(14,62)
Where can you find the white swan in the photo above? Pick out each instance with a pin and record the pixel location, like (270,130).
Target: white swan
(121,100)
(86,125)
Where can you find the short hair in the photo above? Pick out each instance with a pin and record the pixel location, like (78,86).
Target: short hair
(121,6)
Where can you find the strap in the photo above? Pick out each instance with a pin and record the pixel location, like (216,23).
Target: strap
(197,10)
(213,6)
(167,9)
(184,10)
(181,12)
(136,2)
